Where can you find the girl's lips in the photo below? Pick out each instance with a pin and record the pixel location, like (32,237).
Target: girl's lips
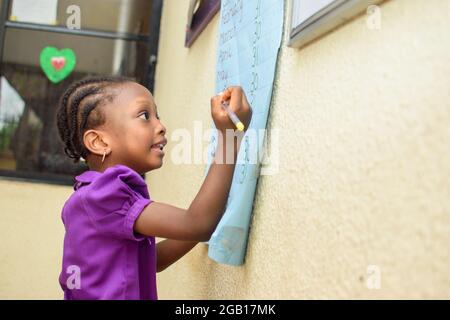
(158,150)
(158,147)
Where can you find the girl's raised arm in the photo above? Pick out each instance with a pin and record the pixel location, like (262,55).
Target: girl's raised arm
(198,222)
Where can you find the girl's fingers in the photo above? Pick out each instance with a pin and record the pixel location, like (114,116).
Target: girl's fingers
(235,98)
(226,94)
(216,108)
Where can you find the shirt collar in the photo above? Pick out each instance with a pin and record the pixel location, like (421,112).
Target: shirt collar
(85,178)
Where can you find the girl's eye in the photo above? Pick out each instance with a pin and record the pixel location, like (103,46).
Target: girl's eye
(146,114)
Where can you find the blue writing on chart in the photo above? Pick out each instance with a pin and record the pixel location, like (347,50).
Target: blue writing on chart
(247,53)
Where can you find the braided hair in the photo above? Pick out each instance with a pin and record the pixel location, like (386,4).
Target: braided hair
(78,112)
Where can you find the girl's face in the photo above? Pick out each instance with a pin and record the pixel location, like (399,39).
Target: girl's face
(136,133)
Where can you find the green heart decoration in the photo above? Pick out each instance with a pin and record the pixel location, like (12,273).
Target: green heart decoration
(57,64)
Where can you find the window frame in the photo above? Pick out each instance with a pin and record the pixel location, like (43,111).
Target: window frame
(200,19)
(325,20)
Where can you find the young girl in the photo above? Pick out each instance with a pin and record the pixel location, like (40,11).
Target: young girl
(110,221)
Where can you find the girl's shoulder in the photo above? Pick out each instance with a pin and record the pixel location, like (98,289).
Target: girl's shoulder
(110,201)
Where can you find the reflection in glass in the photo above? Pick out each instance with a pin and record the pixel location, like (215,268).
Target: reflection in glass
(11,109)
(127,16)
(29,140)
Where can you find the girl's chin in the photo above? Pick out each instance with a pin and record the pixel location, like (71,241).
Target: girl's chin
(155,164)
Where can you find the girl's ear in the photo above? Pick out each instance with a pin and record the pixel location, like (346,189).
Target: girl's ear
(94,141)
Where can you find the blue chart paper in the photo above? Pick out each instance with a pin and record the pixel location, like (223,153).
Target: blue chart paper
(249,40)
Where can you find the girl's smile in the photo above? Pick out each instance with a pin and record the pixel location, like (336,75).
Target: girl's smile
(159,146)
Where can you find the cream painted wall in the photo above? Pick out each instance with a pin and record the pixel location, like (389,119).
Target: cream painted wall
(365,161)
(364,172)
(31,239)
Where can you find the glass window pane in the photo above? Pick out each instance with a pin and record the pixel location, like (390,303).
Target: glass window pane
(29,141)
(129,16)
(94,55)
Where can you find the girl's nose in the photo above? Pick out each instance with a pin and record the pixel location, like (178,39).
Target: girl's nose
(161,129)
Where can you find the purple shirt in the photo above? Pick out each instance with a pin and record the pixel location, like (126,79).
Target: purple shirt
(103,257)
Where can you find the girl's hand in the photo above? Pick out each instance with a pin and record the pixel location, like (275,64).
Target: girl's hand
(238,103)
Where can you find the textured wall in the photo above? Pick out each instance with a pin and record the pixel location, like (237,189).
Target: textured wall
(31,239)
(364,172)
(365,161)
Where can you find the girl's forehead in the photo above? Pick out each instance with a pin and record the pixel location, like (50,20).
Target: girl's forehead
(132,93)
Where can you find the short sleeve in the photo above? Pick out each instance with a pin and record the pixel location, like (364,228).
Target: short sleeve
(114,200)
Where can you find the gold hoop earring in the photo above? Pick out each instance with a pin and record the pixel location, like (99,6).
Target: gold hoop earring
(104,155)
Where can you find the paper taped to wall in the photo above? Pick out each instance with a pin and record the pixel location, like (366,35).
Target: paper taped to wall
(32,11)
(247,54)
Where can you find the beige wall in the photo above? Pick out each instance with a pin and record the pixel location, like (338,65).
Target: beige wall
(365,161)
(363,175)
(31,239)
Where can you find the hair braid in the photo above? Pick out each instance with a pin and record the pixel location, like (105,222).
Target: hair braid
(79,96)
